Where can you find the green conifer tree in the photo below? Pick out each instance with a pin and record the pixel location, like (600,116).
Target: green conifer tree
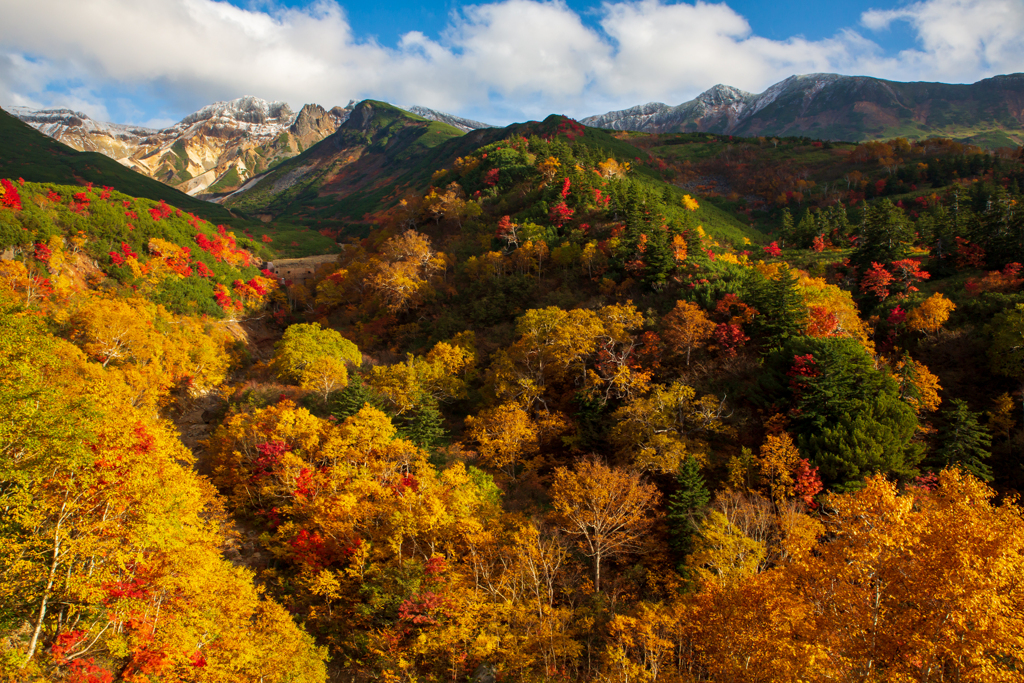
(781,311)
(885,235)
(686,505)
(963,441)
(787,232)
(424,426)
(351,399)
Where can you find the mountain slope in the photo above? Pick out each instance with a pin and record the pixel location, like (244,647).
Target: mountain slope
(350,173)
(31,155)
(828,106)
(383,155)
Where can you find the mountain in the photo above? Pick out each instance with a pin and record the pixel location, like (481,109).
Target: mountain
(215,149)
(465,125)
(29,154)
(349,173)
(989,113)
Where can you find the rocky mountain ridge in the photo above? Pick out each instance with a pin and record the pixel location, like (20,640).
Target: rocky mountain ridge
(830,106)
(215,149)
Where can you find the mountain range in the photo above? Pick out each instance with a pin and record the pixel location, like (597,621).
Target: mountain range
(214,150)
(220,148)
(989,113)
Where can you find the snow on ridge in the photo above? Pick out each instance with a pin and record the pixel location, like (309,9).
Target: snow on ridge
(56,120)
(459,122)
(248,109)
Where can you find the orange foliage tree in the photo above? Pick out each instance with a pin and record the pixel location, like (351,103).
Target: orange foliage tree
(606,509)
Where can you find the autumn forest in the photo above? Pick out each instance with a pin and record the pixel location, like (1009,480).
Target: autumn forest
(562,405)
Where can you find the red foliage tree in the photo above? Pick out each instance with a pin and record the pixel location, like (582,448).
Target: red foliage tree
(806,482)
(9,196)
(876,281)
(906,272)
(560,214)
(729,337)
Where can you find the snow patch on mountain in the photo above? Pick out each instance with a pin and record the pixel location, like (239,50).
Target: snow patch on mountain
(462,124)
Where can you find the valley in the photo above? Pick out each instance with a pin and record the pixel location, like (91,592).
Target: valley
(418,401)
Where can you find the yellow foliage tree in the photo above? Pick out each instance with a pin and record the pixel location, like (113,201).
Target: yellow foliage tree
(931,314)
(722,553)
(400,277)
(658,431)
(112,543)
(505,437)
(607,509)
(778,458)
(685,328)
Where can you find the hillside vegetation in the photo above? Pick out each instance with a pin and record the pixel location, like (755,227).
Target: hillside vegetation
(565,407)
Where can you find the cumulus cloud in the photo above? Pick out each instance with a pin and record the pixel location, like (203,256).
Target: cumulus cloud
(958,39)
(497,61)
(675,49)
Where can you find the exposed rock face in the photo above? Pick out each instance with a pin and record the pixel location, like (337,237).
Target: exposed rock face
(214,150)
(831,106)
(314,123)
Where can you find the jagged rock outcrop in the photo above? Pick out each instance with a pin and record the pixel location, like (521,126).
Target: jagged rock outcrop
(314,123)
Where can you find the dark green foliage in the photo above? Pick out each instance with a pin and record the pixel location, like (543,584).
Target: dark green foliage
(847,416)
(351,399)
(840,373)
(787,231)
(192,296)
(424,426)
(722,278)
(963,441)
(658,258)
(875,436)
(781,313)
(686,506)
(1000,228)
(885,236)
(10,229)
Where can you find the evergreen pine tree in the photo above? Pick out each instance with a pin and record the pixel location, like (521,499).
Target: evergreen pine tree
(876,436)
(351,399)
(835,218)
(963,441)
(885,236)
(424,426)
(658,258)
(787,231)
(686,504)
(781,311)
(806,230)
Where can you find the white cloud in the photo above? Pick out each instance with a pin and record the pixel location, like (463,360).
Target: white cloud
(677,49)
(496,61)
(960,40)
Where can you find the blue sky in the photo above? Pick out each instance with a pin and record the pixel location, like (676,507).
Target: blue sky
(154,61)
(777,20)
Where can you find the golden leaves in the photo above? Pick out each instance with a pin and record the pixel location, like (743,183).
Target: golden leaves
(931,314)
